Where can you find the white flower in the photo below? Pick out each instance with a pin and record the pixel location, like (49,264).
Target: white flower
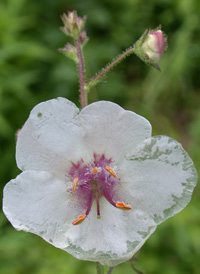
(81,169)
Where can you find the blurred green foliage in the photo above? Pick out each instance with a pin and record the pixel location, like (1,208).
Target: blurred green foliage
(31,71)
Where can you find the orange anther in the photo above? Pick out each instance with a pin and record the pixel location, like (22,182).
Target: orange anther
(74,184)
(122,205)
(95,170)
(79,219)
(111,171)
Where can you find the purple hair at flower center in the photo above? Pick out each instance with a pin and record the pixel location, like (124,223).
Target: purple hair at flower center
(92,182)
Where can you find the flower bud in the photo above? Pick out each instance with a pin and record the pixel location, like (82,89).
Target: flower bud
(69,51)
(83,38)
(73,25)
(151,46)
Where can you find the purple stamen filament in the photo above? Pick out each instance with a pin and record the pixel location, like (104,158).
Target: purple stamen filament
(93,181)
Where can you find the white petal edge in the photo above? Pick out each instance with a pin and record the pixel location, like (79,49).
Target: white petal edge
(112,239)
(50,139)
(39,203)
(111,130)
(159,177)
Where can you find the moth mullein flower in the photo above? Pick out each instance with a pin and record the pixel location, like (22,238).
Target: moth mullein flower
(94,182)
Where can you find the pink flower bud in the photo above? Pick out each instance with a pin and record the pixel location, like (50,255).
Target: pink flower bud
(154,45)
(151,46)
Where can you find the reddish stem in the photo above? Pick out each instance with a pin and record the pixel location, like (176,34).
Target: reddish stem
(83,95)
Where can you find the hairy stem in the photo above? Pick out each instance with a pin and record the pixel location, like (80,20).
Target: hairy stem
(81,69)
(110,270)
(100,269)
(109,66)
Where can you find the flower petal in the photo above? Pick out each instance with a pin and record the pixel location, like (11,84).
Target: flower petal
(159,178)
(112,239)
(39,203)
(50,137)
(112,131)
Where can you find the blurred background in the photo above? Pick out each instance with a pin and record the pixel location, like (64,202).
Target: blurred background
(32,70)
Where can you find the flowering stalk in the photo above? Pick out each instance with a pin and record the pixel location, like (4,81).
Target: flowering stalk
(83,94)
(74,27)
(149,48)
(109,66)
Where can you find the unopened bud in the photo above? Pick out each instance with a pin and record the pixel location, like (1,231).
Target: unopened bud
(151,46)
(83,38)
(70,51)
(73,25)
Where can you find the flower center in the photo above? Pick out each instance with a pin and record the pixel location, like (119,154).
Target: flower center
(91,182)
